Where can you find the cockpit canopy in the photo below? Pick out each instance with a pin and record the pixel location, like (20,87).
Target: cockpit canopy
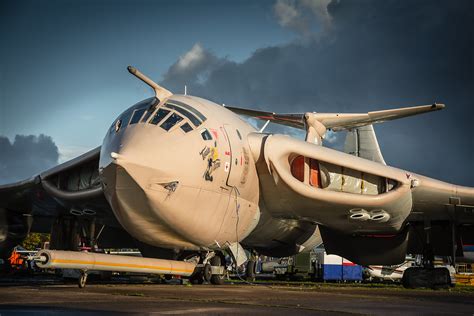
(170,114)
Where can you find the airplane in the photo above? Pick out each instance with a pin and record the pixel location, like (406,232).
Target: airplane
(187,181)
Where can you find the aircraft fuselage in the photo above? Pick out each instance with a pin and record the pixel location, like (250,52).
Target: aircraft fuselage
(176,189)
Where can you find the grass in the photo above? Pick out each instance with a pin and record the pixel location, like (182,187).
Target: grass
(462,288)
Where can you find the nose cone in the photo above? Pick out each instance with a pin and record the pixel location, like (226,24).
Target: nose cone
(127,187)
(139,166)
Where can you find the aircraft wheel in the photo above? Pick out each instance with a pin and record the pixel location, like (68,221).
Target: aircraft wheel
(207,272)
(250,272)
(198,279)
(217,279)
(81,282)
(435,278)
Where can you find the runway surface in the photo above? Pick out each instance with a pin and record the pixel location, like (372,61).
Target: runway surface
(280,299)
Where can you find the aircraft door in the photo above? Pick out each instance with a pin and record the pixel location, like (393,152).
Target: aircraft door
(235,167)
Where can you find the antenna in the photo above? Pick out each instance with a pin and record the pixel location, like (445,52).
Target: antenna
(160,92)
(264,126)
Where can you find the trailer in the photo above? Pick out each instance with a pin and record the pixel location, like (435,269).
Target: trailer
(336,268)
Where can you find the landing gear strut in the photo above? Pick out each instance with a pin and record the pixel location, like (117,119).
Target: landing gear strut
(81,282)
(210,270)
(216,261)
(427,275)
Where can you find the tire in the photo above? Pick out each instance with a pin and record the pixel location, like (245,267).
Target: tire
(81,282)
(435,278)
(207,272)
(196,277)
(250,271)
(217,279)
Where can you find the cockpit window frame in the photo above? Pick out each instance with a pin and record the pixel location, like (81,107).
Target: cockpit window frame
(173,115)
(162,117)
(205,134)
(136,115)
(188,114)
(154,102)
(189,108)
(186,127)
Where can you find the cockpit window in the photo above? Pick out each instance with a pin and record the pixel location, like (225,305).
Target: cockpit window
(124,118)
(186,127)
(151,108)
(137,116)
(117,125)
(206,135)
(190,109)
(159,116)
(186,113)
(171,121)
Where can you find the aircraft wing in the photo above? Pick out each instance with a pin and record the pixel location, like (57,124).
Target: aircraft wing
(70,190)
(338,121)
(367,212)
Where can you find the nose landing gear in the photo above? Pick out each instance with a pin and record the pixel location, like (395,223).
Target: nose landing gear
(210,270)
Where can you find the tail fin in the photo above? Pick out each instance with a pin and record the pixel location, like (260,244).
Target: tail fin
(362,142)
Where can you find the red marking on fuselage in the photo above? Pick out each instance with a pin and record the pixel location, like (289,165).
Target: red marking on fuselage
(223,132)
(214,132)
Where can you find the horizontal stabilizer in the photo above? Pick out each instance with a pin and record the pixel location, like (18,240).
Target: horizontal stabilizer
(338,121)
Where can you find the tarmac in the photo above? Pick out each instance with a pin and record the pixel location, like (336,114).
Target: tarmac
(54,298)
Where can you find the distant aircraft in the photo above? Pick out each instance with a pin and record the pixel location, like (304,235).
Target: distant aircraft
(187,180)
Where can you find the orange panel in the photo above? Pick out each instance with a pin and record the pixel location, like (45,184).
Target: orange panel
(314,178)
(297,168)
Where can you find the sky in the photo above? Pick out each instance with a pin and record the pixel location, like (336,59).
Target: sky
(63,75)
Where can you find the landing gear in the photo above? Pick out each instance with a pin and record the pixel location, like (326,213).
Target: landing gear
(250,271)
(209,270)
(217,279)
(251,268)
(435,278)
(427,275)
(81,282)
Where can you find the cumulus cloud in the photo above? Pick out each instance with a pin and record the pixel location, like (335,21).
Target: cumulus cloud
(192,68)
(26,156)
(377,55)
(306,17)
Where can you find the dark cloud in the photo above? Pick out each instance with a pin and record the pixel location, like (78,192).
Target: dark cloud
(371,55)
(26,156)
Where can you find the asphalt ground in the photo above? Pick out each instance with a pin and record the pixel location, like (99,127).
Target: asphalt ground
(50,297)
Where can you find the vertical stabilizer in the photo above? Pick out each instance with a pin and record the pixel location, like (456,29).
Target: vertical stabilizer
(362,142)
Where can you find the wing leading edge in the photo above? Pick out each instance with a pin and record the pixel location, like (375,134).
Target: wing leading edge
(338,121)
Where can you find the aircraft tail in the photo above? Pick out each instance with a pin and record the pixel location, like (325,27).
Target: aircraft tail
(362,142)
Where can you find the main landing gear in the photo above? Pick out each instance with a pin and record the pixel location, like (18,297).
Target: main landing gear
(427,275)
(211,269)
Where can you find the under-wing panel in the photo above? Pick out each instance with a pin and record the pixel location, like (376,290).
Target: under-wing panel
(71,192)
